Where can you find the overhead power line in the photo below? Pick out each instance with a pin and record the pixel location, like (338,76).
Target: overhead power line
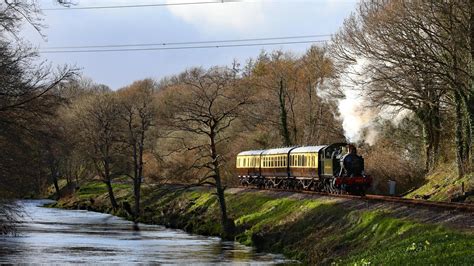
(177,47)
(186,43)
(140,5)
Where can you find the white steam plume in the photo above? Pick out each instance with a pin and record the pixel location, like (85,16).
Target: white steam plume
(360,121)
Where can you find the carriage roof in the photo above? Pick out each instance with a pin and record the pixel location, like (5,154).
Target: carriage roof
(306,149)
(252,152)
(278,151)
(296,149)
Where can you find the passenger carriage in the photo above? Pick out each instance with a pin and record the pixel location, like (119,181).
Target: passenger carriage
(315,168)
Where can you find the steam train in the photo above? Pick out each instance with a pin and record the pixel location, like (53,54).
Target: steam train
(334,168)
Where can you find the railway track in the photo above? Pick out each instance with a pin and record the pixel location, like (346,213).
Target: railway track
(464,207)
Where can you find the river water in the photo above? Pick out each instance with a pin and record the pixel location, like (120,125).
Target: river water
(58,236)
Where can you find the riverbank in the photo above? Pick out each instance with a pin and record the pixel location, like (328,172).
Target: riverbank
(52,236)
(312,229)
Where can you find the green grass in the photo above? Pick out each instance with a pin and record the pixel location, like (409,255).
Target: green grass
(443,183)
(96,188)
(314,231)
(390,241)
(318,231)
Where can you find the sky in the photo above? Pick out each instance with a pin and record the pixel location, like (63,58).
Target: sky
(243,19)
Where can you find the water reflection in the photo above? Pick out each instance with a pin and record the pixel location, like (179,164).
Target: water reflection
(62,236)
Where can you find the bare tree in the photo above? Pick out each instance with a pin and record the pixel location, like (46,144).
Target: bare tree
(96,123)
(205,105)
(138,114)
(276,74)
(417,57)
(27,101)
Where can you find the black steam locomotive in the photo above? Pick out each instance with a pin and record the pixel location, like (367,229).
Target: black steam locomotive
(334,168)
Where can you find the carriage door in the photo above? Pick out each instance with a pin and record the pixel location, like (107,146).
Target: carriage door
(327,162)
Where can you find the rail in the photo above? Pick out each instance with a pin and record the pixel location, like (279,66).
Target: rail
(464,207)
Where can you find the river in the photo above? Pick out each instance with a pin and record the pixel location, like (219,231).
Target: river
(49,235)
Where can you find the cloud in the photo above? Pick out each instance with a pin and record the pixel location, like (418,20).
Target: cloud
(240,16)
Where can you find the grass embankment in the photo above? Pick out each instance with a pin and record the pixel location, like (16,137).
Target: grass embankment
(443,184)
(315,231)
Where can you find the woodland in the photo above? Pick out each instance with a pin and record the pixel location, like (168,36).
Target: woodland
(404,57)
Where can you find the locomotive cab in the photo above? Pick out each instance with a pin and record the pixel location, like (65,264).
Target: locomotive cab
(330,158)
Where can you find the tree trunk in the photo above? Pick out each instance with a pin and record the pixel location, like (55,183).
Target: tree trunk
(136,186)
(54,176)
(108,183)
(283,116)
(470,96)
(56,186)
(111,194)
(469,130)
(431,122)
(227,225)
(138,181)
(461,152)
(462,92)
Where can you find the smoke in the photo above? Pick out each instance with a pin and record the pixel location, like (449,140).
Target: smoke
(360,120)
